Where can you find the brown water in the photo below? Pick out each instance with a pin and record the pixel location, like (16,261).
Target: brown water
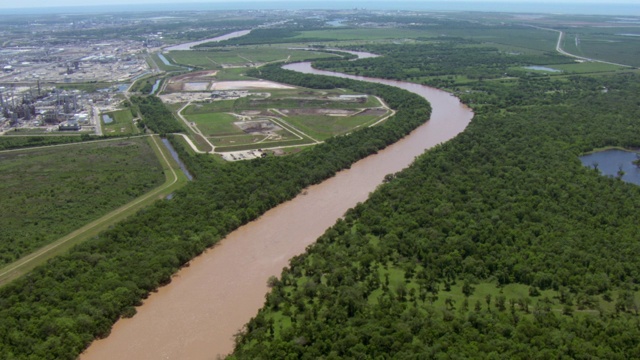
(188,46)
(196,316)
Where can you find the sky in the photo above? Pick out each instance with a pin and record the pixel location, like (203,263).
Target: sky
(481,5)
(54,3)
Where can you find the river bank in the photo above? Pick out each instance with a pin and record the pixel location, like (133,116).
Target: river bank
(196,316)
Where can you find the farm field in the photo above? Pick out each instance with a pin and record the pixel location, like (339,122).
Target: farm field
(47,193)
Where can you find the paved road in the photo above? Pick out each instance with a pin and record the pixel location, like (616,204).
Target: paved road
(194,128)
(96,120)
(563,52)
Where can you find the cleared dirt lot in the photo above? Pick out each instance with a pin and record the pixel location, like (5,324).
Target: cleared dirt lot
(248,85)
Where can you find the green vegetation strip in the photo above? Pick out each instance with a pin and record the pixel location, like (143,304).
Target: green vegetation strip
(174,180)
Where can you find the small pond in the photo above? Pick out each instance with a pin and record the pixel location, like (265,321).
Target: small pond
(155,87)
(610,161)
(541,68)
(107,119)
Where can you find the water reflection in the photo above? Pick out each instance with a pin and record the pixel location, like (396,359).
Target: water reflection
(610,162)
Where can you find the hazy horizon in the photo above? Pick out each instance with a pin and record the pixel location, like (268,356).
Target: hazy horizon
(620,7)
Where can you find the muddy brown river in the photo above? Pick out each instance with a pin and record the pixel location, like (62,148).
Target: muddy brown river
(197,314)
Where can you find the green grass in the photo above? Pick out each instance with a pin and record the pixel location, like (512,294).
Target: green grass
(162,66)
(122,123)
(209,107)
(273,144)
(215,124)
(606,44)
(513,37)
(322,127)
(310,101)
(242,56)
(616,49)
(51,191)
(586,67)
(44,132)
(34,131)
(232,74)
(174,179)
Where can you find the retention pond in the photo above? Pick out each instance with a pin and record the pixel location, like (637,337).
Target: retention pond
(610,162)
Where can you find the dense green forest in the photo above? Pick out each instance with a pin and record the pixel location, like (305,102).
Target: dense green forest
(155,115)
(448,58)
(43,202)
(59,308)
(507,202)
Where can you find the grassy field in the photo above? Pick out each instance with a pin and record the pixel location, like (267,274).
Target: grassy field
(300,113)
(288,143)
(44,132)
(243,56)
(607,44)
(232,74)
(162,66)
(586,67)
(214,106)
(322,127)
(308,101)
(215,124)
(49,192)
(122,123)
(622,50)
(255,141)
(526,38)
(174,179)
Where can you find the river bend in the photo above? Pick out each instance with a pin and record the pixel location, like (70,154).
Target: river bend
(197,314)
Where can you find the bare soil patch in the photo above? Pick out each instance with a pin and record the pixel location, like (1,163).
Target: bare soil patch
(244,85)
(258,127)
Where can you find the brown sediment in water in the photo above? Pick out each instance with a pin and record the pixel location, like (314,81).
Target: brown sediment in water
(196,316)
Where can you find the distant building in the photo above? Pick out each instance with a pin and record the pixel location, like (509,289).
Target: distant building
(69,127)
